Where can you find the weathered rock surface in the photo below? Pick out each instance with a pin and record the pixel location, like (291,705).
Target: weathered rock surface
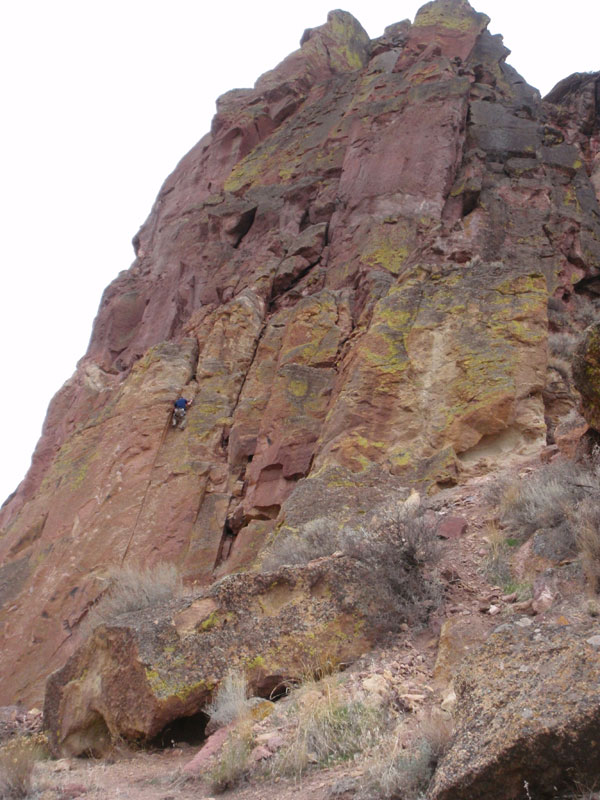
(133,677)
(527,714)
(586,373)
(350,271)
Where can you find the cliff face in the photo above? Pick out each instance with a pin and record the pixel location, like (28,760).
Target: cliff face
(350,276)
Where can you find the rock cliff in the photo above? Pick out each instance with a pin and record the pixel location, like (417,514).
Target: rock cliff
(354,276)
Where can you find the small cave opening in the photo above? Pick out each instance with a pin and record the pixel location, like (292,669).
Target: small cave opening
(589,287)
(470,201)
(272,687)
(184,730)
(242,227)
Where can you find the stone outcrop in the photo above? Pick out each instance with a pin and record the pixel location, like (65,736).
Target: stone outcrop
(586,373)
(527,715)
(349,272)
(146,669)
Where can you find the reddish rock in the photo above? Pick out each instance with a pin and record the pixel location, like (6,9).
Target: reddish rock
(452,527)
(210,748)
(350,276)
(137,674)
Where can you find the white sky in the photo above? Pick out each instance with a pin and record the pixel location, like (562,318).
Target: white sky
(101,98)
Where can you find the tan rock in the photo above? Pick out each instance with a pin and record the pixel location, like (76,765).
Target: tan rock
(458,637)
(135,676)
(527,703)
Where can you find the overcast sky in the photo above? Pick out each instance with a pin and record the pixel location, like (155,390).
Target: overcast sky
(100,100)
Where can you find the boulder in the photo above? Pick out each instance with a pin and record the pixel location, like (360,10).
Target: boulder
(145,670)
(586,374)
(526,716)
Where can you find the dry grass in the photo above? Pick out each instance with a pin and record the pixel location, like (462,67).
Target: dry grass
(133,589)
(232,766)
(394,772)
(562,345)
(326,727)
(230,703)
(17,760)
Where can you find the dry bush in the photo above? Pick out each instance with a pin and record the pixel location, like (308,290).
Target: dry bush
(392,772)
(586,310)
(317,538)
(232,765)
(437,731)
(497,563)
(397,547)
(544,499)
(562,366)
(327,727)
(562,497)
(230,703)
(495,490)
(17,760)
(562,345)
(398,551)
(133,589)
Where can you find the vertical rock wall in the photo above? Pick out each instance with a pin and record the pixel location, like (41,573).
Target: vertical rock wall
(349,274)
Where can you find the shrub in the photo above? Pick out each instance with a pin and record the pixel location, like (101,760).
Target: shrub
(437,732)
(17,760)
(392,772)
(397,547)
(230,703)
(545,499)
(327,727)
(562,496)
(562,344)
(398,551)
(133,589)
(586,310)
(562,366)
(316,539)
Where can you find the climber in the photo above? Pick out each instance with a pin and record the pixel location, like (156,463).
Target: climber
(180,406)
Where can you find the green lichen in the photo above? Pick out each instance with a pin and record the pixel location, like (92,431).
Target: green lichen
(210,622)
(448,15)
(162,688)
(298,387)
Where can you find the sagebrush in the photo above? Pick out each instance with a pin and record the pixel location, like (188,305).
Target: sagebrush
(17,761)
(562,498)
(399,546)
(133,589)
